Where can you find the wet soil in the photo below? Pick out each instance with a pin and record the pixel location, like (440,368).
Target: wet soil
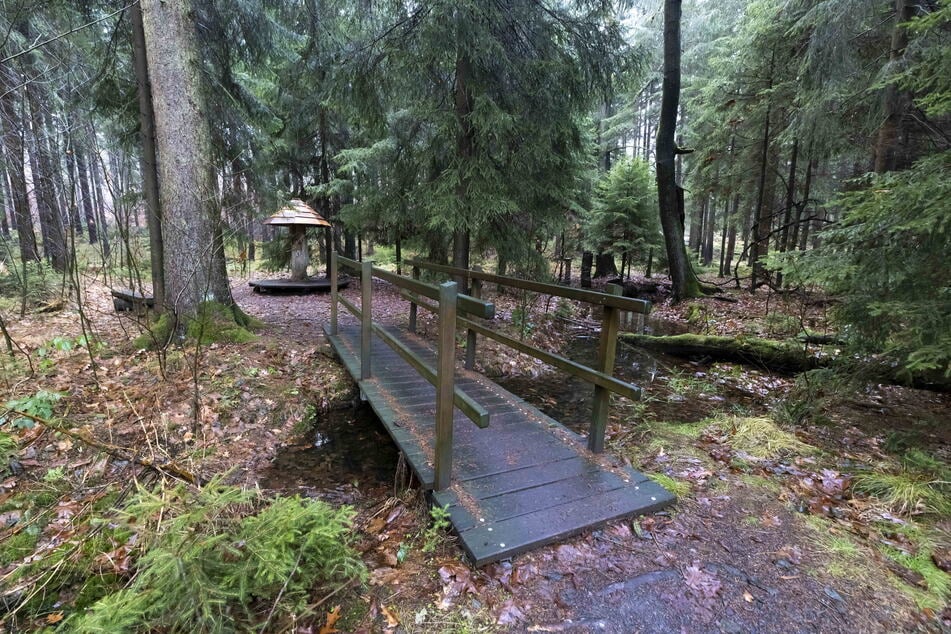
(344,455)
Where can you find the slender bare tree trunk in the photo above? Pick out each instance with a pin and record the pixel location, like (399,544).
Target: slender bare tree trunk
(147,157)
(11,107)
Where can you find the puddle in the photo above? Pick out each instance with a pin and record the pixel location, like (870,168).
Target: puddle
(346,453)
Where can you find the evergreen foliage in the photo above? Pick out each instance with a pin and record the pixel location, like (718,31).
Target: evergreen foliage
(887,262)
(625,217)
(210,563)
(482,131)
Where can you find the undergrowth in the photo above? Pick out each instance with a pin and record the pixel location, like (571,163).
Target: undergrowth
(760,437)
(218,559)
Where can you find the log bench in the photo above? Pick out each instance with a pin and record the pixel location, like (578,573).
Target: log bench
(124,300)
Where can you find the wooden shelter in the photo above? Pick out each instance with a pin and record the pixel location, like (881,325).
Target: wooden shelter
(297,216)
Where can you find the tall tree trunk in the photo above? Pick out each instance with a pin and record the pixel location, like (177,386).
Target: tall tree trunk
(671,211)
(51,220)
(4,199)
(696,225)
(891,151)
(731,238)
(762,217)
(13,130)
(191,219)
(604,265)
(709,227)
(465,150)
(99,202)
(82,176)
(587,259)
(801,207)
(788,207)
(71,192)
(148,161)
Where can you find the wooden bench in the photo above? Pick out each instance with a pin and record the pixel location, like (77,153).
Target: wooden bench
(124,300)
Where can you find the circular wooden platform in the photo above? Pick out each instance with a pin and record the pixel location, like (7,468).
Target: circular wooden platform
(301,287)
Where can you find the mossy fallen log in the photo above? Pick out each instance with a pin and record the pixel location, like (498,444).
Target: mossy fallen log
(784,357)
(778,356)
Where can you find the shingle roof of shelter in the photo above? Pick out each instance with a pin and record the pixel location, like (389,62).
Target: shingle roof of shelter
(297,212)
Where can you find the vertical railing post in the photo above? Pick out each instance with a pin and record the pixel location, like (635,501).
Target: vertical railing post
(412,305)
(366,321)
(470,333)
(445,369)
(333,292)
(606,351)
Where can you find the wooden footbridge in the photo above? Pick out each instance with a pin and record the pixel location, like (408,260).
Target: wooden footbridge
(511,477)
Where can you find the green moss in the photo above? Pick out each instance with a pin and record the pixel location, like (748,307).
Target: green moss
(18,546)
(677,487)
(215,323)
(157,335)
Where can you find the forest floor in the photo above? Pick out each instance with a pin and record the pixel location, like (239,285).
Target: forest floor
(775,530)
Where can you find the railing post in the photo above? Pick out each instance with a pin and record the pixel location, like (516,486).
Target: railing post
(470,333)
(606,351)
(445,369)
(333,292)
(366,322)
(413,309)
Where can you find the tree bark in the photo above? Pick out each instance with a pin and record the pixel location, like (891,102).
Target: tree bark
(148,163)
(82,175)
(51,220)
(891,151)
(465,149)
(191,221)
(763,214)
(788,207)
(11,108)
(587,259)
(684,282)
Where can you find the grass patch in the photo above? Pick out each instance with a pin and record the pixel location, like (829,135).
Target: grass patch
(908,491)
(760,437)
(841,556)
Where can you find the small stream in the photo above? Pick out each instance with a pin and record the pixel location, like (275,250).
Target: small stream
(346,452)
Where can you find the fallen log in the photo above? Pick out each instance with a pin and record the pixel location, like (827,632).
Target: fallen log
(783,357)
(772,355)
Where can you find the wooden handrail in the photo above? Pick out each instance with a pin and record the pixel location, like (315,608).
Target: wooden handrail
(591,297)
(442,377)
(466,303)
(602,377)
(570,367)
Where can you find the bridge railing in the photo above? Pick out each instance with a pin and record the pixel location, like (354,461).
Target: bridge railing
(601,377)
(449,303)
